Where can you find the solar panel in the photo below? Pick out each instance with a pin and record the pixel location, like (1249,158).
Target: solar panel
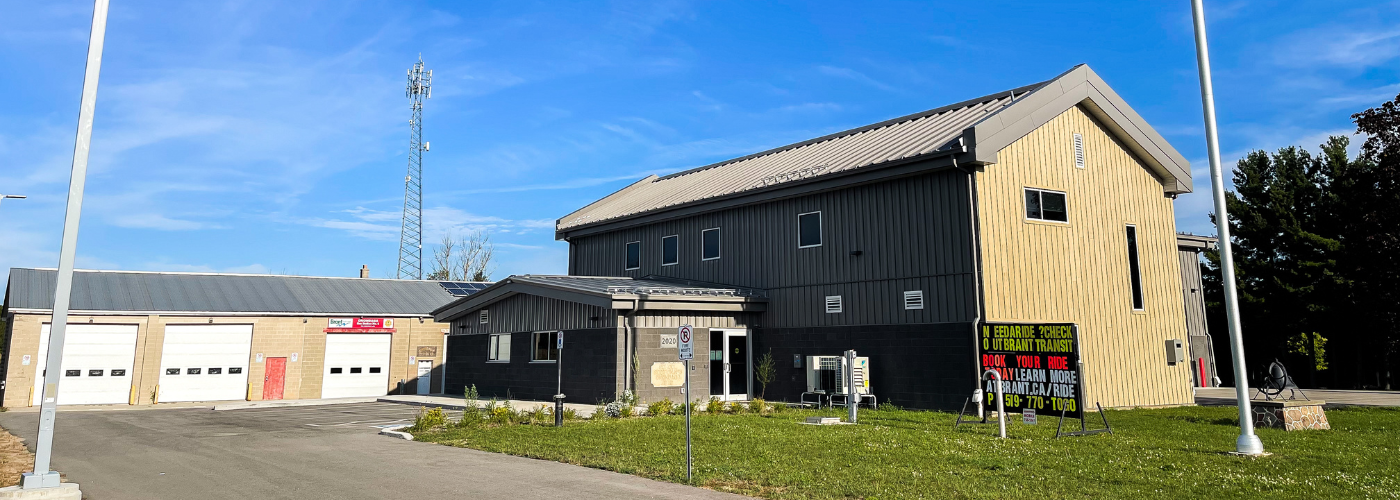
(463,288)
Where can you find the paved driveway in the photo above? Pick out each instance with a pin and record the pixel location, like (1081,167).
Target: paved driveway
(316,452)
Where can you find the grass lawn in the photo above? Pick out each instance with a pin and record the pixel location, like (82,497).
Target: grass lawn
(911,454)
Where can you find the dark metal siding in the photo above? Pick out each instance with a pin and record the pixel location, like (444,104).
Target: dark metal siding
(531,313)
(1193,295)
(911,232)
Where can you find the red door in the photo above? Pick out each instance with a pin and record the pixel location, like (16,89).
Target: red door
(274,377)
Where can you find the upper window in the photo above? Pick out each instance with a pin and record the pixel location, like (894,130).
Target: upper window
(634,255)
(1134,271)
(1046,205)
(670,250)
(709,244)
(546,347)
(809,230)
(498,348)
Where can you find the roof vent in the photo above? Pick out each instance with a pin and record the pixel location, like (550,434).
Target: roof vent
(484,317)
(1078,151)
(914,299)
(833,304)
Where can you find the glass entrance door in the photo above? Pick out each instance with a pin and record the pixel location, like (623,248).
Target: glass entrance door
(729,364)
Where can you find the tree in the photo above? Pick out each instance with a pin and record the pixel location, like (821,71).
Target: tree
(764,371)
(463,259)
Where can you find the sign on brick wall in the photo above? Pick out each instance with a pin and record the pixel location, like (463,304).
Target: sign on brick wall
(352,325)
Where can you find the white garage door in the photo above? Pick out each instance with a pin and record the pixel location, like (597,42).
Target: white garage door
(97,362)
(357,365)
(205,363)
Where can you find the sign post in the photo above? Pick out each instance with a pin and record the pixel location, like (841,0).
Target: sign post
(686,347)
(559,384)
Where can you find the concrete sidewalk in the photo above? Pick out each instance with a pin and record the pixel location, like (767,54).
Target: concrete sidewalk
(1225,396)
(459,403)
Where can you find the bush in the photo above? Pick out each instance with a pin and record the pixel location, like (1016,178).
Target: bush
(471,417)
(778,407)
(429,419)
(601,410)
(625,412)
(758,405)
(734,407)
(471,395)
(614,409)
(891,407)
(663,407)
(500,413)
(714,407)
(570,414)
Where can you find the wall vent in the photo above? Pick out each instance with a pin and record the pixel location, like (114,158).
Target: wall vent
(833,304)
(484,317)
(1078,151)
(914,299)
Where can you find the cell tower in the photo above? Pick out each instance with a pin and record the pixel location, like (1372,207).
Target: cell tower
(420,86)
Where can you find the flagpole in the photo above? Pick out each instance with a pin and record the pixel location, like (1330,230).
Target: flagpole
(1247,443)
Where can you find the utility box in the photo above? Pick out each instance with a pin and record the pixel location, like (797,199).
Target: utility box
(1176,351)
(827,374)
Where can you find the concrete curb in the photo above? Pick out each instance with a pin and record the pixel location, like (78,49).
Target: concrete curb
(245,405)
(394,432)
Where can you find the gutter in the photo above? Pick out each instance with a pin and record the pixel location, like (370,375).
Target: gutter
(980,310)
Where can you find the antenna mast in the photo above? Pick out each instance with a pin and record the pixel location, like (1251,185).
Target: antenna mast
(420,86)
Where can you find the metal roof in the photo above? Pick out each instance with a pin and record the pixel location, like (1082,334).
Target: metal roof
(116,291)
(608,291)
(994,119)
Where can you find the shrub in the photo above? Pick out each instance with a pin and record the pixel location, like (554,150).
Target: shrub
(471,417)
(891,407)
(778,407)
(613,409)
(625,412)
(765,371)
(714,407)
(758,405)
(471,395)
(500,414)
(663,407)
(601,410)
(734,407)
(570,414)
(429,419)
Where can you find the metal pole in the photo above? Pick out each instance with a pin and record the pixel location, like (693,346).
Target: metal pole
(559,385)
(1247,443)
(42,477)
(852,399)
(688,409)
(1001,401)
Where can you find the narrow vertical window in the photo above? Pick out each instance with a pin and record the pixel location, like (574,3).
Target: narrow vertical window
(1133,268)
(634,255)
(709,244)
(809,230)
(670,250)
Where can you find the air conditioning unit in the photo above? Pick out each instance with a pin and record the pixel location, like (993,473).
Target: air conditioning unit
(828,374)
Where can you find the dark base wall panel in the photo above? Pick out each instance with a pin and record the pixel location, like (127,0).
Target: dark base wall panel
(590,363)
(928,366)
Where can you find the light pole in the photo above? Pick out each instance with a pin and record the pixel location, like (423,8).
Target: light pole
(1247,443)
(43,477)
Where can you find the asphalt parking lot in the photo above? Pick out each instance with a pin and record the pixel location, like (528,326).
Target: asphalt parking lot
(310,452)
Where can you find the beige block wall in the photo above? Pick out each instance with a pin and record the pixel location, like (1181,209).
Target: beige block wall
(272,336)
(1078,271)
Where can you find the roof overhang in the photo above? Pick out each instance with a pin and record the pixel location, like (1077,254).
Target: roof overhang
(1195,242)
(510,287)
(1080,86)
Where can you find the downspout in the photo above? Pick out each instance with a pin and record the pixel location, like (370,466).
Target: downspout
(979,309)
(630,326)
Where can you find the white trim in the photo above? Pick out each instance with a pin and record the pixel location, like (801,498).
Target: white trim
(1024,189)
(748,363)
(627,251)
(498,347)
(821,236)
(719,238)
(663,250)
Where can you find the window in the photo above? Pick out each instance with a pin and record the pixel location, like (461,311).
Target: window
(192,371)
(498,348)
(484,317)
(1046,205)
(172,371)
(95,373)
(914,299)
(546,347)
(356,370)
(119,373)
(337,370)
(833,304)
(1078,151)
(809,230)
(72,373)
(709,244)
(634,255)
(235,370)
(1133,269)
(216,371)
(670,250)
(374,369)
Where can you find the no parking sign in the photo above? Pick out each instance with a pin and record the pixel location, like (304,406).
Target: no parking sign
(687,346)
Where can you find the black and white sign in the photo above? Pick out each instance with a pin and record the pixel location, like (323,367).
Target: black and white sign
(687,344)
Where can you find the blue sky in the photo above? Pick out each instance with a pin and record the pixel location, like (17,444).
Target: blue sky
(270,136)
